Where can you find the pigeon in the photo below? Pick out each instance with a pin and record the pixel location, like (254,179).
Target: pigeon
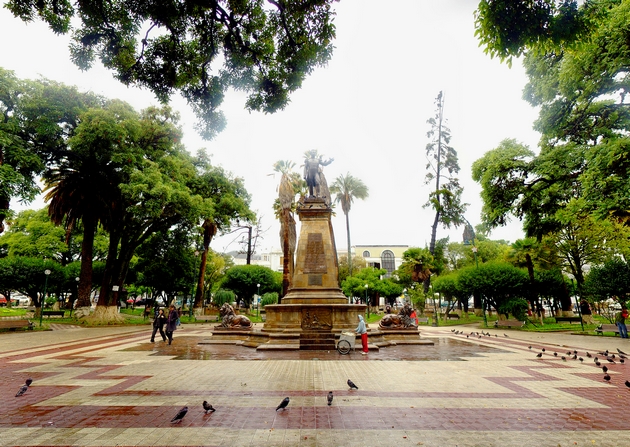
(607,378)
(569,353)
(628,384)
(605,369)
(543,349)
(588,355)
(330,398)
(180,415)
(529,347)
(506,335)
(610,360)
(621,352)
(564,359)
(208,408)
(539,355)
(574,357)
(283,404)
(452,330)
(621,356)
(598,363)
(28,382)
(581,359)
(555,354)
(352,385)
(621,360)
(21,391)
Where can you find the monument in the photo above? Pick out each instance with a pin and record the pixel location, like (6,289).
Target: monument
(314,311)
(314,304)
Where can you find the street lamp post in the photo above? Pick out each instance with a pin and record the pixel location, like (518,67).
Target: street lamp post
(258,300)
(41,310)
(366,301)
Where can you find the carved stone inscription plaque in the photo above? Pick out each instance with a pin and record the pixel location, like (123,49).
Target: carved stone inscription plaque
(315,260)
(316,318)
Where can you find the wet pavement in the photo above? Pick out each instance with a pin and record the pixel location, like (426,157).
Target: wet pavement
(110,386)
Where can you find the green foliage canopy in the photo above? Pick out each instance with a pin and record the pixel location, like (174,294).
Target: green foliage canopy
(198,49)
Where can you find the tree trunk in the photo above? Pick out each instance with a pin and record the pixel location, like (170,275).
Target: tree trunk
(87,249)
(285,235)
(349,245)
(209,230)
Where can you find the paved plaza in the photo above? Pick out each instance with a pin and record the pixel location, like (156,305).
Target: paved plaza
(111,387)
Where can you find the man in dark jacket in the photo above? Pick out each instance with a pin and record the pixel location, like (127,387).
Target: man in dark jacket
(158,324)
(171,322)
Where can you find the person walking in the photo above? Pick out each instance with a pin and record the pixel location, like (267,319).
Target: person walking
(362,331)
(171,322)
(158,325)
(620,321)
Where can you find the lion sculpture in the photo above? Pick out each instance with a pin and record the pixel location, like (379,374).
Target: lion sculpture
(230,320)
(401,320)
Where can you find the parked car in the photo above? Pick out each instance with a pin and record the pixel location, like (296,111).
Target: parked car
(3,300)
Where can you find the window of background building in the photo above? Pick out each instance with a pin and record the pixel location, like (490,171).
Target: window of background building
(388,262)
(366,254)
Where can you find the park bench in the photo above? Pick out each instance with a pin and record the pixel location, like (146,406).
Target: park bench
(607,328)
(207,318)
(54,313)
(15,324)
(509,323)
(568,319)
(423,320)
(452,316)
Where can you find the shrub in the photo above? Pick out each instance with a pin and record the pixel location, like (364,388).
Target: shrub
(515,306)
(223,296)
(269,298)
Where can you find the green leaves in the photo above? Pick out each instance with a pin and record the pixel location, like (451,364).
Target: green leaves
(198,49)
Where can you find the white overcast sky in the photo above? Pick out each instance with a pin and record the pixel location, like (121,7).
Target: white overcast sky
(367,108)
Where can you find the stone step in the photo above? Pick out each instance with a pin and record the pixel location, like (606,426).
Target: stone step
(318,347)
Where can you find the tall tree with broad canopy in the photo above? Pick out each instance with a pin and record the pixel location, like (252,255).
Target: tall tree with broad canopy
(227,201)
(580,87)
(347,188)
(508,28)
(442,169)
(36,119)
(199,49)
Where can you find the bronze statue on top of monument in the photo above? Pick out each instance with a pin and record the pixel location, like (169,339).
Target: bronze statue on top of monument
(314,175)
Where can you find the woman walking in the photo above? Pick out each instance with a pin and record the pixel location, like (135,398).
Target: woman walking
(158,324)
(362,331)
(171,322)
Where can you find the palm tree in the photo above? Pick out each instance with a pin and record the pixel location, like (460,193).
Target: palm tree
(347,188)
(290,183)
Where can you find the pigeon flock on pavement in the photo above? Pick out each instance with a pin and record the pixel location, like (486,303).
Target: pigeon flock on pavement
(611,358)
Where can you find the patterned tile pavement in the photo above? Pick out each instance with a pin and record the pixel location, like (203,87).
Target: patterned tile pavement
(110,386)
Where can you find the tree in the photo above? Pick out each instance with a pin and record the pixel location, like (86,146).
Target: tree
(358,263)
(496,282)
(507,28)
(417,266)
(346,189)
(266,48)
(579,87)
(36,119)
(82,186)
(227,201)
(290,184)
(27,276)
(354,286)
(244,279)
(442,168)
(610,280)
